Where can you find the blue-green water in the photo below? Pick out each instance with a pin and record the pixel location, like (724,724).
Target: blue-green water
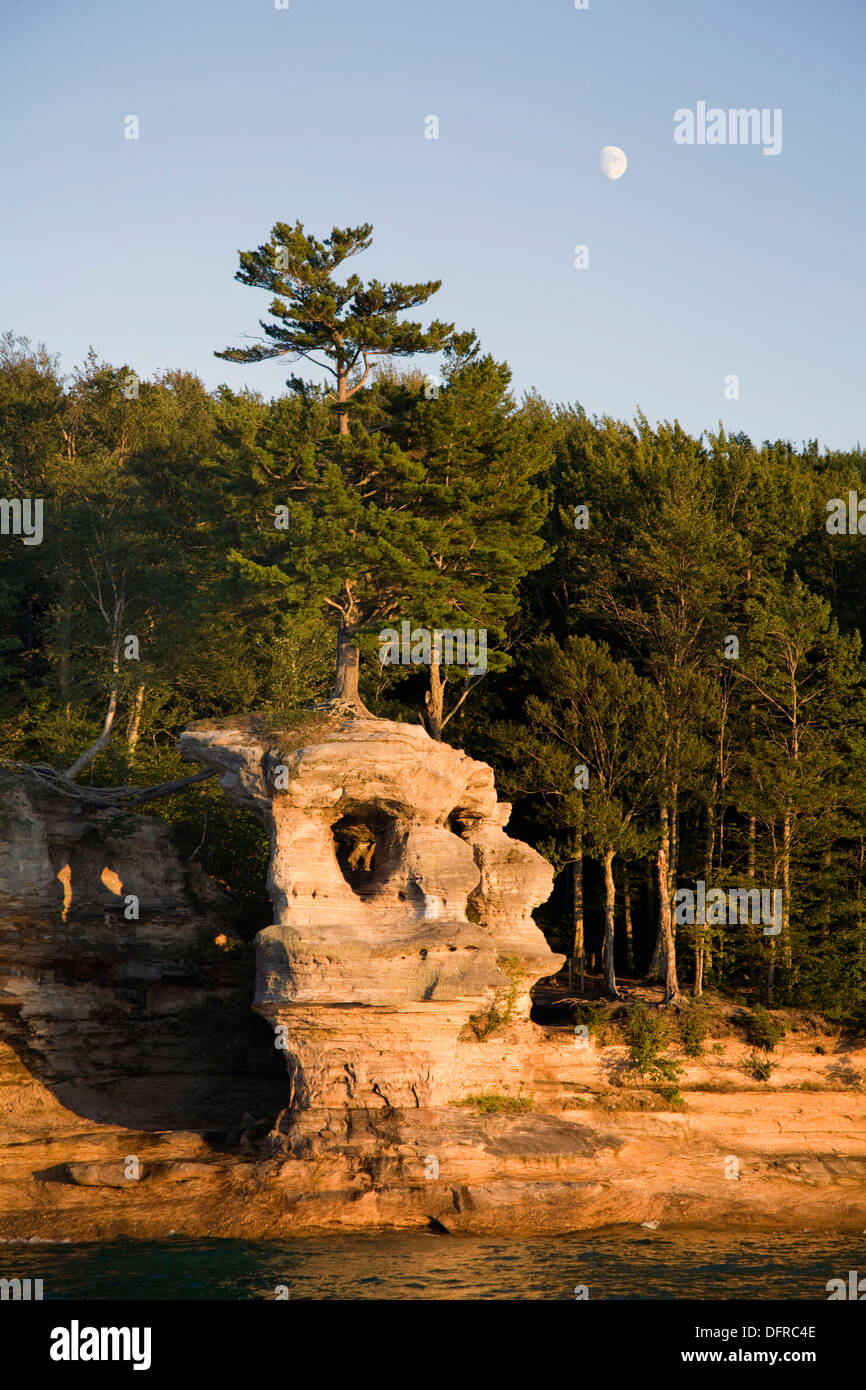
(613,1264)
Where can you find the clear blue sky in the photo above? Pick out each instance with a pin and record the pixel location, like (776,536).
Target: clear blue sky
(704,261)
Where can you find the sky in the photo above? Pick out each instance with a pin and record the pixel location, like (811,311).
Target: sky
(705,262)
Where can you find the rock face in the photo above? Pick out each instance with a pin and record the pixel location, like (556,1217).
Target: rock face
(402,908)
(113,991)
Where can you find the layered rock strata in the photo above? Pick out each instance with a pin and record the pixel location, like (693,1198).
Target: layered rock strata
(403,924)
(113,990)
(116,1033)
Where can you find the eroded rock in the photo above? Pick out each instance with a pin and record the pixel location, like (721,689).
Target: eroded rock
(402,907)
(113,992)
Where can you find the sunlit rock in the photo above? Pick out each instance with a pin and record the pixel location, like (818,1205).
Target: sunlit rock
(402,908)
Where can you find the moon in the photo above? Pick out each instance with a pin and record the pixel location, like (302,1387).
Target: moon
(613,162)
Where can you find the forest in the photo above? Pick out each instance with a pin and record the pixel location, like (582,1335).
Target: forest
(673,691)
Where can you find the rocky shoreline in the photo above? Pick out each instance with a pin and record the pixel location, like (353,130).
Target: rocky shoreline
(799,1162)
(390,1076)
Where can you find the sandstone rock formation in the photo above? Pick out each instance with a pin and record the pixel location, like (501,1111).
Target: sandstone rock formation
(398,964)
(403,926)
(113,992)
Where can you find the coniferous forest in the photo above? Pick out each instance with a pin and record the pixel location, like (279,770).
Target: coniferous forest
(673,688)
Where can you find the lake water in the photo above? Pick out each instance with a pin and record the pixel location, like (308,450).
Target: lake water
(619,1263)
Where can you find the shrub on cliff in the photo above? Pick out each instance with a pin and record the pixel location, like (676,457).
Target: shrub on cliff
(591,1014)
(765,1030)
(648,1037)
(759,1068)
(501,1011)
(492,1103)
(694,1025)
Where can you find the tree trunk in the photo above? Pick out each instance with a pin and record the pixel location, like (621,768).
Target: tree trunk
(607,952)
(629,929)
(435,699)
(133,728)
(699,962)
(342,397)
(665,944)
(771,969)
(672,989)
(655,969)
(658,966)
(652,907)
(771,945)
(674,851)
(701,932)
(348,666)
(578,947)
(107,724)
(785,935)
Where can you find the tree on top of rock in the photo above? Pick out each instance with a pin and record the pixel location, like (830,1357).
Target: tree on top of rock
(349,324)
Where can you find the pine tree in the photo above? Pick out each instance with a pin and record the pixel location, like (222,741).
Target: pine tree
(583,751)
(481,459)
(647,559)
(348,324)
(806,682)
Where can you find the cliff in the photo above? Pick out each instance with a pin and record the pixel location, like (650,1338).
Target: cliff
(114,993)
(140,1094)
(402,908)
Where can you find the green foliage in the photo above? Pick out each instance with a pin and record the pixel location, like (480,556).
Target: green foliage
(501,1011)
(672,1096)
(758,1067)
(432,517)
(229,843)
(765,1030)
(594,1017)
(648,1036)
(694,1025)
(650,1098)
(492,1103)
(350,324)
(456,509)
